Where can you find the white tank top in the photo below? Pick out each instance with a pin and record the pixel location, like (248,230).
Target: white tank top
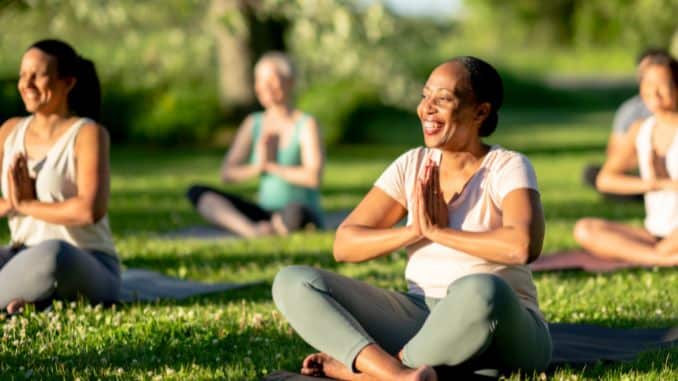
(55,176)
(661,207)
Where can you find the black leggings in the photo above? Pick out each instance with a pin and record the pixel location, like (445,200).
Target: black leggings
(295,216)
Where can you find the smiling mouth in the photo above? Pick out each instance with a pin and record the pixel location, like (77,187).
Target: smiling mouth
(432,127)
(32,95)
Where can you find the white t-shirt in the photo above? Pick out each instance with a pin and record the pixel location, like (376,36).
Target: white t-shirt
(433,267)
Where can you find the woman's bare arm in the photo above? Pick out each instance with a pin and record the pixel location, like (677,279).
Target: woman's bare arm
(518,241)
(368,231)
(235,167)
(612,177)
(93,183)
(5,130)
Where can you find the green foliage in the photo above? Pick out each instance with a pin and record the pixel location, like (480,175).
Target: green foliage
(631,24)
(153,58)
(334,103)
(360,64)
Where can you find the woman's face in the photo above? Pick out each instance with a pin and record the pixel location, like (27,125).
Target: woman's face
(448,110)
(269,87)
(39,84)
(658,89)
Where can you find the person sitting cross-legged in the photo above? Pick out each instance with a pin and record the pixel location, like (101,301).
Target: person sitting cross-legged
(474,219)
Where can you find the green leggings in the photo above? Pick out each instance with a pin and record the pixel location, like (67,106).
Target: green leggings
(479,325)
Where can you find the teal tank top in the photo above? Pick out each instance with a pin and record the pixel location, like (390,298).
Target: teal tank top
(274,191)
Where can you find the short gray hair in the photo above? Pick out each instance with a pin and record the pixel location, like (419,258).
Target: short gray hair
(282,62)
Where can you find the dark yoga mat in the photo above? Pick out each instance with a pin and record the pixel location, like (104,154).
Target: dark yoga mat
(145,285)
(576,260)
(577,345)
(210,232)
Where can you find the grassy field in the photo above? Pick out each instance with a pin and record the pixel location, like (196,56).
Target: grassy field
(240,335)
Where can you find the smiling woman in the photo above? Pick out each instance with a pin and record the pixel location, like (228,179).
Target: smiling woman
(474,219)
(651,145)
(55,185)
(281,146)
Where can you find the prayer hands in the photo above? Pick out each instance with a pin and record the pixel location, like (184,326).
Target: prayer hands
(430,208)
(21,185)
(658,166)
(267,149)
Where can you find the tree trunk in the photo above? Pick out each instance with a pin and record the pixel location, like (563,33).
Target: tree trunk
(234,56)
(241,37)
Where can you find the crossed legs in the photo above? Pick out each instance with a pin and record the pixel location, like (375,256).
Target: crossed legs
(368,333)
(614,241)
(55,268)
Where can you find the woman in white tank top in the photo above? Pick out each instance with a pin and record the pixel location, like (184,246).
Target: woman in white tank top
(653,143)
(55,185)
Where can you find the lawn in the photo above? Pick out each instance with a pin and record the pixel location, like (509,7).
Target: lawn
(240,335)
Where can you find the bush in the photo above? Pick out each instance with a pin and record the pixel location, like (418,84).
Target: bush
(333,103)
(183,113)
(10,101)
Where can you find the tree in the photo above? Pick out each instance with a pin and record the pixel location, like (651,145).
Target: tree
(242,33)
(576,23)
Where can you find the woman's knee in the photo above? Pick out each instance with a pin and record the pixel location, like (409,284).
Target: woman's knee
(292,282)
(586,229)
(54,254)
(43,263)
(195,193)
(483,296)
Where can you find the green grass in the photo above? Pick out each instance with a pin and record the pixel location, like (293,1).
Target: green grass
(240,335)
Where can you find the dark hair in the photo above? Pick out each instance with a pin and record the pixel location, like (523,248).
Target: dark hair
(487,86)
(662,58)
(84,99)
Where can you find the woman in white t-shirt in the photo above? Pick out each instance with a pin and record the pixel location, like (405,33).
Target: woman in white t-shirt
(474,219)
(652,145)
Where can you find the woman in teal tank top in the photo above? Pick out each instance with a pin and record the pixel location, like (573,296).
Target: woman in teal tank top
(282,146)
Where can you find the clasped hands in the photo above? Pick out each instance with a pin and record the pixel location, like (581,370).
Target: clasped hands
(429,212)
(21,187)
(660,179)
(267,150)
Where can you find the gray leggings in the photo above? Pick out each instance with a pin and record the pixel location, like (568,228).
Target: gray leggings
(55,269)
(479,325)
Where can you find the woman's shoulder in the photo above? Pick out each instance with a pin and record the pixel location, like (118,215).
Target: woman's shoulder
(642,124)
(412,159)
(416,154)
(90,130)
(500,158)
(8,127)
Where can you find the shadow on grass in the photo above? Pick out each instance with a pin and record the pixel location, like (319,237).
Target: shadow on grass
(202,259)
(166,346)
(652,361)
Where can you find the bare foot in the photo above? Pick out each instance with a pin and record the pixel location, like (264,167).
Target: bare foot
(321,364)
(15,306)
(263,228)
(278,225)
(424,373)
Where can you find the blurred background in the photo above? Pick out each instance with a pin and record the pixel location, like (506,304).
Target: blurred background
(180,71)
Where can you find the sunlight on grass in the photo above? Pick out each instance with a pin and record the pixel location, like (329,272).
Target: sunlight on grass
(241,336)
